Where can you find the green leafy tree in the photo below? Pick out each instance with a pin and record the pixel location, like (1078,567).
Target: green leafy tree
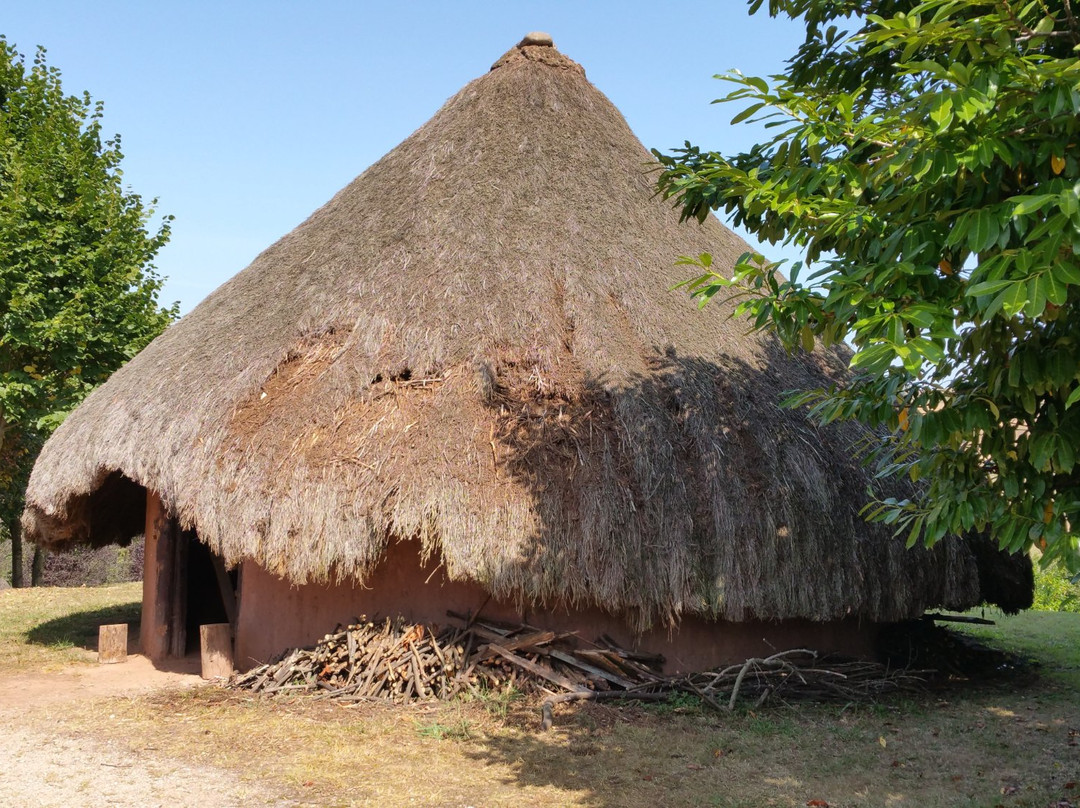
(78,294)
(924,158)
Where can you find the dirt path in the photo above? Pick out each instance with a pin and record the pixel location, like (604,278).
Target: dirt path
(87,682)
(46,761)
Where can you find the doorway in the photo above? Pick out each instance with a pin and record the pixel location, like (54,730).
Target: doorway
(185,585)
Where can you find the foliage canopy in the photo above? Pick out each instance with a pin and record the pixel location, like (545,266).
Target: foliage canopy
(925,160)
(78,295)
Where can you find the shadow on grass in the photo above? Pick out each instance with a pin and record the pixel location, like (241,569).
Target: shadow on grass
(1052,639)
(80,630)
(620,756)
(924,750)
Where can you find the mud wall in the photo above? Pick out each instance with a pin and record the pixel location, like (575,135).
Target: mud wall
(275,615)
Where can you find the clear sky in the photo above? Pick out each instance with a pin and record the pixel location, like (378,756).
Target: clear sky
(243,117)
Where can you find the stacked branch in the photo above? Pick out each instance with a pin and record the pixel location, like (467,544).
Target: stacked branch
(390,660)
(802,674)
(400,662)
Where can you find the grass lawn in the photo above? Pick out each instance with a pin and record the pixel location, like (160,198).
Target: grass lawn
(45,629)
(1050,638)
(1008,744)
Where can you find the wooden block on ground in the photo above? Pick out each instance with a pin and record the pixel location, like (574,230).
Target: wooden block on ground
(112,643)
(217,650)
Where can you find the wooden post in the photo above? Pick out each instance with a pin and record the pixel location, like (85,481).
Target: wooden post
(178,592)
(112,643)
(217,651)
(157,579)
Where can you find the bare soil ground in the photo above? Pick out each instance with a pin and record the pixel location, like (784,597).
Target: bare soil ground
(129,735)
(48,676)
(49,760)
(79,683)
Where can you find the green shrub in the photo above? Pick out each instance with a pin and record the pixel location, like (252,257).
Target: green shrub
(1055,591)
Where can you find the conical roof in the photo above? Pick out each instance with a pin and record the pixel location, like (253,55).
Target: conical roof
(473,346)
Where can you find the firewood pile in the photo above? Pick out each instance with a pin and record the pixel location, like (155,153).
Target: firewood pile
(397,661)
(393,660)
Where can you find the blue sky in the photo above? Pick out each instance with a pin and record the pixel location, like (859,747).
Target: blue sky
(243,117)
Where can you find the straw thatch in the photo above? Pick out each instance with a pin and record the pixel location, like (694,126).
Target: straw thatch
(473,346)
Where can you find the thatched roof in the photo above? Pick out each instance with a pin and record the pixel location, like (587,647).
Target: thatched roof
(473,346)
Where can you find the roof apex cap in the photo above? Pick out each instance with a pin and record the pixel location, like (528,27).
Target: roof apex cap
(538,47)
(536,38)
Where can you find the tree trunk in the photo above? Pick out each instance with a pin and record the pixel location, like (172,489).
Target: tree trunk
(15,528)
(37,567)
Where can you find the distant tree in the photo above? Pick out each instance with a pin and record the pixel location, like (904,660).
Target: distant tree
(927,165)
(17,455)
(78,294)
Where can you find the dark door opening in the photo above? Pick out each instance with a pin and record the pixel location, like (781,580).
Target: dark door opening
(205,594)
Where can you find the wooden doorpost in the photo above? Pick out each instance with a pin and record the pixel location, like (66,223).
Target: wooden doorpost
(178,592)
(162,632)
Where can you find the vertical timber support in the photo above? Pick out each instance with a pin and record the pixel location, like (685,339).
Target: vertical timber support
(154,627)
(164,589)
(178,592)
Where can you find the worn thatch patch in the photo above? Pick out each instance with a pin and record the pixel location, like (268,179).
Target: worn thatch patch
(472,345)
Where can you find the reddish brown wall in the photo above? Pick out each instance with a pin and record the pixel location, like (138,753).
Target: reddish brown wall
(275,615)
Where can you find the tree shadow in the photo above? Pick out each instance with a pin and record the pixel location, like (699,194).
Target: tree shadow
(723,502)
(618,756)
(80,630)
(574,761)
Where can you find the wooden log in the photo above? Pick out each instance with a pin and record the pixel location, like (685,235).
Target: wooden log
(636,656)
(524,642)
(217,650)
(705,697)
(570,659)
(639,671)
(376,664)
(112,643)
(157,579)
(466,667)
(537,669)
(488,627)
(604,660)
(958,618)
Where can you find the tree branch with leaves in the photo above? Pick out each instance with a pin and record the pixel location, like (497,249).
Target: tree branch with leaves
(925,159)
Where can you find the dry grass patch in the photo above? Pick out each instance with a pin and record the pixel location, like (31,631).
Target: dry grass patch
(328,754)
(983,748)
(48,628)
(1011,744)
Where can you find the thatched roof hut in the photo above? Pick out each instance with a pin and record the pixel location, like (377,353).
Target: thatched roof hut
(472,348)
